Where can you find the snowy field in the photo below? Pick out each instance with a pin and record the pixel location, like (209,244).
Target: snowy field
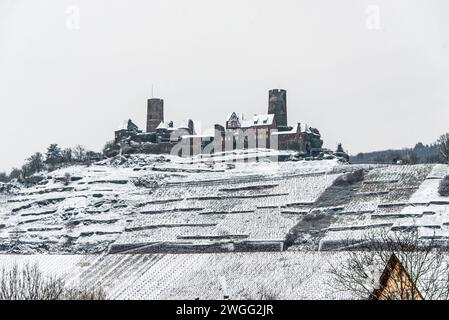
(274,275)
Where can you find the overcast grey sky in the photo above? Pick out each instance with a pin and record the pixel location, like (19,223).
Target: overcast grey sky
(369,83)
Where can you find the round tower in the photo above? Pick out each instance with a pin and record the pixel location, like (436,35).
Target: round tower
(277,105)
(155,113)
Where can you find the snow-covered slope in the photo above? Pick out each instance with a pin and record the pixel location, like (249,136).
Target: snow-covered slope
(165,204)
(259,275)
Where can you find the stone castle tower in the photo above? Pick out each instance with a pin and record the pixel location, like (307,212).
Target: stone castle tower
(155,114)
(277,105)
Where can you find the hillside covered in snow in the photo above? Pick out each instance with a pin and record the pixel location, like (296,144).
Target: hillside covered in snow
(144,226)
(164,204)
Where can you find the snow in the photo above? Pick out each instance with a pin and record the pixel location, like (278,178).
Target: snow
(220,204)
(283,275)
(123,125)
(386,201)
(103,206)
(280,133)
(162,125)
(258,120)
(200,200)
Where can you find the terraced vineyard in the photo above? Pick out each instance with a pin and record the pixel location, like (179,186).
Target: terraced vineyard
(148,204)
(165,227)
(281,275)
(162,204)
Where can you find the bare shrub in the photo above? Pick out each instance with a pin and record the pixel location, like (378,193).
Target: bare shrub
(262,292)
(4,177)
(8,188)
(443,143)
(29,283)
(265,293)
(85,293)
(424,263)
(111,149)
(66,179)
(443,189)
(15,174)
(145,182)
(350,178)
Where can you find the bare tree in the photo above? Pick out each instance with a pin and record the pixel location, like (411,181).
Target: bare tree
(26,171)
(79,153)
(29,283)
(36,162)
(425,270)
(411,157)
(67,155)
(443,143)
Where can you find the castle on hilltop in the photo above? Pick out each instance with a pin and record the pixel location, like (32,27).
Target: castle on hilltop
(268,130)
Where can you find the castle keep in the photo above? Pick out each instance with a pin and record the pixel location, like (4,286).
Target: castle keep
(277,105)
(155,114)
(267,130)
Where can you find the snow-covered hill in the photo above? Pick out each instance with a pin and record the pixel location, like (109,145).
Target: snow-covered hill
(165,204)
